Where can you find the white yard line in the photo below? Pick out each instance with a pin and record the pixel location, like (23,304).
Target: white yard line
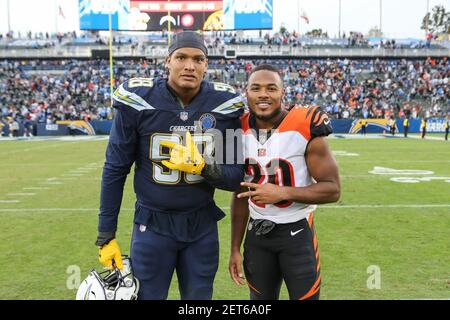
(349,159)
(56,210)
(72,175)
(385,206)
(33,148)
(65,164)
(62,178)
(57,138)
(369,206)
(413,136)
(227,208)
(358,136)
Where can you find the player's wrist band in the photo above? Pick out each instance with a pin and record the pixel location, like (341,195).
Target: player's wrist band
(212,171)
(104,237)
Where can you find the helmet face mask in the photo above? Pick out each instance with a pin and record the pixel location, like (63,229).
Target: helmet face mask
(110,284)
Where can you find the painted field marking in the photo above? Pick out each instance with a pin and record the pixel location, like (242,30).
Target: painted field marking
(356,206)
(390,171)
(418,180)
(411,175)
(51,182)
(343,153)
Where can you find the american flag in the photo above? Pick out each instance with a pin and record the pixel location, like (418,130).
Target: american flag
(304,16)
(61,13)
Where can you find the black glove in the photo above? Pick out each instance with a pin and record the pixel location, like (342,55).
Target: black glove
(263,226)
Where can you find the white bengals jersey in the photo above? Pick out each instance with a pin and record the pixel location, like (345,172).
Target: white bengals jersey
(280,159)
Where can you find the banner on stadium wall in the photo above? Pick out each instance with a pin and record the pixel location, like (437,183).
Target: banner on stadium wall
(339,126)
(141,15)
(43,129)
(101,126)
(354,125)
(373,126)
(4,129)
(414,125)
(78,127)
(433,125)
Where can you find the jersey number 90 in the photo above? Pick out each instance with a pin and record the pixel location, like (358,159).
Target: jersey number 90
(162,174)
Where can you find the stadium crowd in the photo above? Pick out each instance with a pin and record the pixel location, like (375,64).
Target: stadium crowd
(218,39)
(45,91)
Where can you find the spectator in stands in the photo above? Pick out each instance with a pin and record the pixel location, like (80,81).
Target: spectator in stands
(345,88)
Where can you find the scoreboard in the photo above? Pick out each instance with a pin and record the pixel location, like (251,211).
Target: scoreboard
(133,15)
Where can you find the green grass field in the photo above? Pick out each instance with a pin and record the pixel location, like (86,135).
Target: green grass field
(49,195)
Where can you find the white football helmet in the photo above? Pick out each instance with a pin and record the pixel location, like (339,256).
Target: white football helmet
(110,285)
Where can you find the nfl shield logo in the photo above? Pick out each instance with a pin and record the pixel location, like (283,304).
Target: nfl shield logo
(262,138)
(184,115)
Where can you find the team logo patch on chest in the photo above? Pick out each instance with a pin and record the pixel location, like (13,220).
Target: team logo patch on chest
(184,115)
(262,152)
(208,121)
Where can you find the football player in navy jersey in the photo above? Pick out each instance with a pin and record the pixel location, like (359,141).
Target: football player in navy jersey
(160,125)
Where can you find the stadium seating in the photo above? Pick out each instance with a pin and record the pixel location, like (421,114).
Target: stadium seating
(351,77)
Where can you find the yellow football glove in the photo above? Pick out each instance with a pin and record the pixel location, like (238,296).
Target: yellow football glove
(109,255)
(184,158)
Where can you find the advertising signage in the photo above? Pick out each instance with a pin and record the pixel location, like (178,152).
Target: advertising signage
(140,15)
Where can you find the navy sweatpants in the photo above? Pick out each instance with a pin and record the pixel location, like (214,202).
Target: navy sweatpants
(155,257)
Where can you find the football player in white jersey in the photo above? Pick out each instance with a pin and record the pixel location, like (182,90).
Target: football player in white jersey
(289,170)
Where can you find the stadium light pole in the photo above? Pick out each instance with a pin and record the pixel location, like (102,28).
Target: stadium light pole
(168,24)
(9,17)
(381,14)
(56,15)
(339,19)
(110,56)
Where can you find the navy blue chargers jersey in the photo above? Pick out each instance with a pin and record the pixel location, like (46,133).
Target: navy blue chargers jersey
(170,202)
